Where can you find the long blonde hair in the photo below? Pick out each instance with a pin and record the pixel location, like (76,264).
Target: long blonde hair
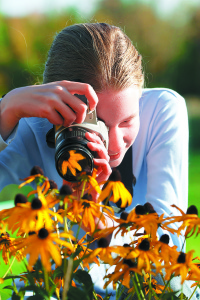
(95,53)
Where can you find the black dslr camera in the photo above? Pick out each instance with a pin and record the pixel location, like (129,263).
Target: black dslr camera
(71,145)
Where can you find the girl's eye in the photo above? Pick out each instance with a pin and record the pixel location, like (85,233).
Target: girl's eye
(127,122)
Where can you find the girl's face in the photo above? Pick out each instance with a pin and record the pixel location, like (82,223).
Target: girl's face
(119,110)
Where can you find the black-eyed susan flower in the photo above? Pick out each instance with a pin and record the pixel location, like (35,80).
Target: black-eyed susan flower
(190,221)
(152,285)
(90,182)
(36,175)
(72,163)
(122,272)
(81,251)
(31,216)
(114,190)
(141,219)
(167,253)
(44,245)
(7,244)
(103,252)
(145,256)
(88,212)
(183,265)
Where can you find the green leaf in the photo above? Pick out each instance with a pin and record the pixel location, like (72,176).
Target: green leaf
(169,296)
(37,290)
(83,277)
(9,192)
(15,297)
(9,287)
(77,294)
(36,297)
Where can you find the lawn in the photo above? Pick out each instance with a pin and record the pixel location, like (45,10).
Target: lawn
(194,195)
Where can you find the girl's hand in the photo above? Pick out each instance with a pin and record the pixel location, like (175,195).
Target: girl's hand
(54,101)
(102,161)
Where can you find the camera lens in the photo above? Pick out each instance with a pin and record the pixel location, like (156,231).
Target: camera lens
(72,156)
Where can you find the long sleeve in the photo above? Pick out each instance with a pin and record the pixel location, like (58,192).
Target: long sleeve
(160,154)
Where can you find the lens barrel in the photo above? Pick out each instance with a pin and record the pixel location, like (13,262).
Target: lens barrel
(72,138)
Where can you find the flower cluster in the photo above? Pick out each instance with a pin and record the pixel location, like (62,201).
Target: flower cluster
(39,230)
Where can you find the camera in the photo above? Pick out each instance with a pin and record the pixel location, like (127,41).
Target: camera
(72,156)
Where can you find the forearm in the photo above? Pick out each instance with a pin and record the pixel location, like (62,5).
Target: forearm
(7,119)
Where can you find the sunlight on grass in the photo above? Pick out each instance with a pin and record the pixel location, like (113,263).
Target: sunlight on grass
(194,194)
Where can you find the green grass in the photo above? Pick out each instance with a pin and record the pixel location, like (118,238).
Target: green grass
(194,195)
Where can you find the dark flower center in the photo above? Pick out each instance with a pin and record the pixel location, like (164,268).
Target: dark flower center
(87,197)
(144,245)
(130,263)
(53,185)
(36,170)
(20,198)
(149,207)
(181,258)
(115,175)
(36,203)
(126,245)
(124,216)
(43,233)
(164,239)
(5,234)
(140,210)
(66,190)
(103,243)
(192,210)
(85,204)
(31,232)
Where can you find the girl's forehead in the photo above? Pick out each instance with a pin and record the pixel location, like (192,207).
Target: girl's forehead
(118,104)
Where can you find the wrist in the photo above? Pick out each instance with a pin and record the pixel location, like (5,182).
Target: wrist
(8,119)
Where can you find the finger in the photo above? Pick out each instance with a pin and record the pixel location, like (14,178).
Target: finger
(50,101)
(54,110)
(103,169)
(99,149)
(60,98)
(93,137)
(82,89)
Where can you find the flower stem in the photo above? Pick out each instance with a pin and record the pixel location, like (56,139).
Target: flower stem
(67,278)
(10,266)
(139,294)
(46,279)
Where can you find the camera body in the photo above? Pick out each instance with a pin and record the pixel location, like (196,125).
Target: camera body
(71,145)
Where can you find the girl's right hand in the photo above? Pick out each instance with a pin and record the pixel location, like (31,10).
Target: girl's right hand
(54,101)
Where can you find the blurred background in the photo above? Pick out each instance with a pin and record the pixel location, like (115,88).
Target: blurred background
(166,33)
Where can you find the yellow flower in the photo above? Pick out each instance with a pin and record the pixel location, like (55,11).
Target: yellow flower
(104,252)
(7,244)
(182,267)
(31,216)
(122,272)
(82,251)
(72,163)
(145,255)
(44,245)
(190,221)
(114,191)
(88,212)
(158,288)
(36,174)
(161,247)
(91,181)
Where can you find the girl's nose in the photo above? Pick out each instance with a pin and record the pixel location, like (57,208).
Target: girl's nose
(116,141)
